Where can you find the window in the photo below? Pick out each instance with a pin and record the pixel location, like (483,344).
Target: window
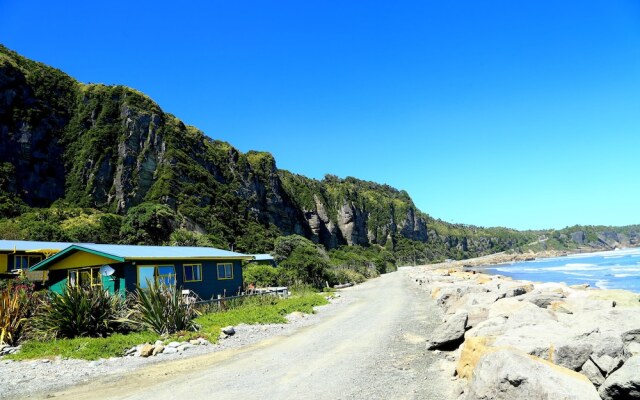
(192,272)
(166,275)
(84,277)
(225,271)
(24,262)
(146,276)
(162,274)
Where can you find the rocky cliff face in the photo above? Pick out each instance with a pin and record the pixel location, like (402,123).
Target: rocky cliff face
(112,148)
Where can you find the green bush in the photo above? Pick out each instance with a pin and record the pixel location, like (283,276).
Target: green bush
(260,275)
(163,310)
(80,312)
(345,275)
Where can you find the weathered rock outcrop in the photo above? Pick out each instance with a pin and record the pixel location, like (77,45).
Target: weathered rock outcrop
(507,374)
(538,340)
(112,148)
(623,383)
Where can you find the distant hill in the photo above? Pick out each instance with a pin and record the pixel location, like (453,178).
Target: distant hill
(89,162)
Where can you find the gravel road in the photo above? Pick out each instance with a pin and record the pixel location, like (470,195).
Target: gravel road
(370,346)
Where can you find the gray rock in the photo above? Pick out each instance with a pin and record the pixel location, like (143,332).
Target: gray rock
(623,383)
(170,350)
(507,375)
(185,346)
(229,330)
(157,349)
(544,299)
(516,291)
(450,332)
(174,344)
(572,355)
(591,371)
(608,364)
(633,348)
(131,351)
(146,350)
(631,336)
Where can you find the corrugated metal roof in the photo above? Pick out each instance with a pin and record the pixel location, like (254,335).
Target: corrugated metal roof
(263,257)
(131,251)
(26,245)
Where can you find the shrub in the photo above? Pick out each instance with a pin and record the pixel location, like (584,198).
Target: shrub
(80,312)
(16,306)
(260,275)
(344,275)
(163,310)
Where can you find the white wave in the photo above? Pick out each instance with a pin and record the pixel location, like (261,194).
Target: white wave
(578,274)
(624,275)
(516,269)
(576,267)
(627,269)
(602,284)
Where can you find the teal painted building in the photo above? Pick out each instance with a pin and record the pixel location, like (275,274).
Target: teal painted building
(206,271)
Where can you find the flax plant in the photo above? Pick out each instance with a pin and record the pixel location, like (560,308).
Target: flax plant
(163,310)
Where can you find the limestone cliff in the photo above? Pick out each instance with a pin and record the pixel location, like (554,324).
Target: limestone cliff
(111,148)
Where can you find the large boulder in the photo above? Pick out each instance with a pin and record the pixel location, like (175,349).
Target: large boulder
(591,371)
(450,333)
(623,383)
(508,374)
(543,299)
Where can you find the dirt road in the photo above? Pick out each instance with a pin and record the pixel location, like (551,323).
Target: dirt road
(373,348)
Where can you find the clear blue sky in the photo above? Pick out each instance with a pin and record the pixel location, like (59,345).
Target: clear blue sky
(494,113)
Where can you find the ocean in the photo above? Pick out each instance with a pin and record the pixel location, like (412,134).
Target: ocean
(619,269)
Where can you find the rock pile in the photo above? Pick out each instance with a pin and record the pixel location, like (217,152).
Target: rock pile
(159,347)
(537,341)
(6,349)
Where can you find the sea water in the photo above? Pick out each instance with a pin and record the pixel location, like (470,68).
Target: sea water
(619,269)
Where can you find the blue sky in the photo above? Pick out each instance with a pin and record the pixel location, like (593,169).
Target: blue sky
(494,113)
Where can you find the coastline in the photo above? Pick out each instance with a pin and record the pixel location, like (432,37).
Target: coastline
(572,342)
(507,258)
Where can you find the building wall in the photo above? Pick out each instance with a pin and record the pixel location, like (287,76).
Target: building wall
(208,288)
(4,263)
(125,278)
(81,259)
(116,283)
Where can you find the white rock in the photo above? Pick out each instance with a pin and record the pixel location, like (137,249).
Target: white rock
(623,383)
(507,375)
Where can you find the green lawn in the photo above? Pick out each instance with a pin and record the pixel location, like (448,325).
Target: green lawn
(266,310)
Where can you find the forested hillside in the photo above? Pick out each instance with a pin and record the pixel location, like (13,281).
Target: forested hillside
(96,163)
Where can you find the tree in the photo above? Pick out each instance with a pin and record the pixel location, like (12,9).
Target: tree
(183,237)
(149,224)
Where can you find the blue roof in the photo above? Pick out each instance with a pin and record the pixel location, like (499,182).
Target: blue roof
(132,251)
(122,253)
(263,257)
(25,245)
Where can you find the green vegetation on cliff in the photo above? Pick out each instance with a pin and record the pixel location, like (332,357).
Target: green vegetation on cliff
(97,163)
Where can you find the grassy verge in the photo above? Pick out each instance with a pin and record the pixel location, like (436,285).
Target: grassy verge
(259,310)
(83,348)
